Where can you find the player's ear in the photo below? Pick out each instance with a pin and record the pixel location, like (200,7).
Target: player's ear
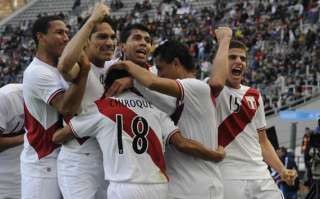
(176,62)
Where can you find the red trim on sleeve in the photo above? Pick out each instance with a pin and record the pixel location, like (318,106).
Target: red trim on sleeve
(54,94)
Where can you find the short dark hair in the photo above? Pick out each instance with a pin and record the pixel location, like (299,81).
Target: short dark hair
(126,32)
(42,25)
(106,19)
(237,44)
(113,75)
(174,49)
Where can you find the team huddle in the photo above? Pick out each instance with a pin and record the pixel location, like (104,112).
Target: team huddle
(94,126)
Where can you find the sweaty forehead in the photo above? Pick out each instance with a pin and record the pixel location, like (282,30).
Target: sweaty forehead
(104,27)
(139,32)
(237,51)
(57,24)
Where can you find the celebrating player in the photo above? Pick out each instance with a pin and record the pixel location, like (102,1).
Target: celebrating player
(80,167)
(242,132)
(46,96)
(11,139)
(193,109)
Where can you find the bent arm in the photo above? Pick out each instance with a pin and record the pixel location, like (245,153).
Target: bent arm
(68,103)
(62,135)
(194,148)
(10,142)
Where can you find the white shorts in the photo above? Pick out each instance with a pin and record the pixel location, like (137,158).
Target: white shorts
(214,193)
(81,176)
(137,191)
(249,189)
(39,188)
(10,180)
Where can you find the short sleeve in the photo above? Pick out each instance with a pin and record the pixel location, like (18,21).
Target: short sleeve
(260,119)
(194,92)
(47,84)
(168,128)
(163,102)
(3,113)
(86,123)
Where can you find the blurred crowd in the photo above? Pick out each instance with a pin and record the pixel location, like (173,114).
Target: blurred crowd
(282,40)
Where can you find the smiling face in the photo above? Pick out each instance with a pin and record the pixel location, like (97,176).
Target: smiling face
(137,47)
(237,66)
(55,39)
(102,43)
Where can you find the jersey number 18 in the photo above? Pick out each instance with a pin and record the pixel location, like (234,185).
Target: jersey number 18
(140,128)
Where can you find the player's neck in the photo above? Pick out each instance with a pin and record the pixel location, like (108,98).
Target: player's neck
(187,74)
(98,63)
(234,85)
(46,58)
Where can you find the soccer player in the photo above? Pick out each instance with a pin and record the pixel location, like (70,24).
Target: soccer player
(132,133)
(242,132)
(192,108)
(80,166)
(46,95)
(11,140)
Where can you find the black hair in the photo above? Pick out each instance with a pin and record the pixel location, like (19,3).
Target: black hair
(170,50)
(126,32)
(106,19)
(42,25)
(113,75)
(237,44)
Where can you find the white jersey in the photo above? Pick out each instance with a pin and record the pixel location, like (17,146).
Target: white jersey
(131,133)
(41,83)
(241,115)
(195,115)
(11,122)
(93,91)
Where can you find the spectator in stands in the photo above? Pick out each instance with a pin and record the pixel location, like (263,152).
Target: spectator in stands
(317,129)
(305,148)
(287,158)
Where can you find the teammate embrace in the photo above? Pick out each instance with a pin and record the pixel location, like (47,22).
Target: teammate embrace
(130,134)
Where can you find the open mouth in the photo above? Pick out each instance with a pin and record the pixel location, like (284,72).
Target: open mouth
(236,71)
(142,52)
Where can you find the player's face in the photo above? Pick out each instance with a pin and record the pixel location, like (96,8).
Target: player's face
(237,66)
(102,43)
(56,38)
(137,46)
(166,70)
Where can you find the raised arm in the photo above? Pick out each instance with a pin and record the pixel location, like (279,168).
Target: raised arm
(196,149)
(71,53)
(220,64)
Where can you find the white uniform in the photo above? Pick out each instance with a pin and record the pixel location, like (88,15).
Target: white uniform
(131,133)
(41,83)
(195,115)
(241,115)
(11,122)
(80,166)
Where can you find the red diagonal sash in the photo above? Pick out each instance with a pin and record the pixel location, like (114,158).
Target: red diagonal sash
(107,107)
(234,124)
